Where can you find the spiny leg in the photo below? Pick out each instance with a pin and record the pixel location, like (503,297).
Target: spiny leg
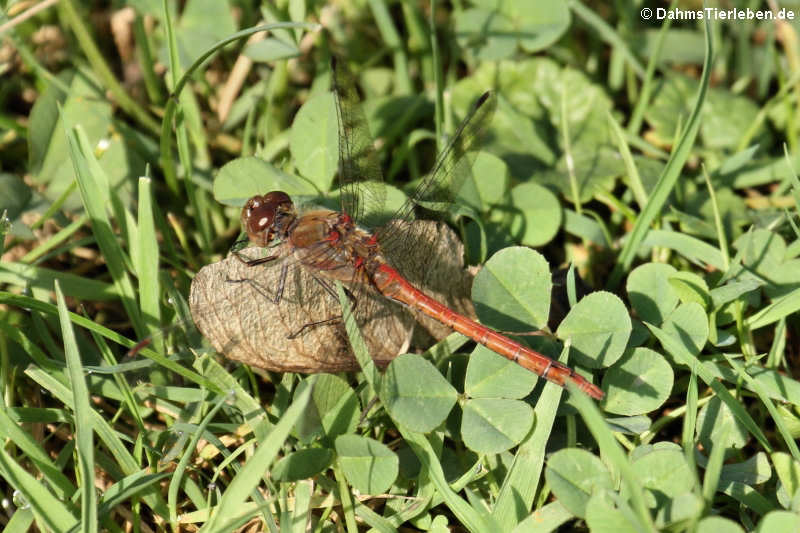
(276,299)
(332,320)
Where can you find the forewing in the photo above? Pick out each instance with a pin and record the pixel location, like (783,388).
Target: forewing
(452,169)
(361,181)
(415,256)
(233,305)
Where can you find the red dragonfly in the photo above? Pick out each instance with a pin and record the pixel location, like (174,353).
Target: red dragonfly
(331,245)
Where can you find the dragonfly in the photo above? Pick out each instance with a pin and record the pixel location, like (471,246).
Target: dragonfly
(325,246)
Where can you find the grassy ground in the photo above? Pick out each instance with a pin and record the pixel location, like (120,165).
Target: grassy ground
(653,161)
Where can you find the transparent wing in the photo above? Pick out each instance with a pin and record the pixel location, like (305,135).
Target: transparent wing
(234,306)
(437,190)
(362,191)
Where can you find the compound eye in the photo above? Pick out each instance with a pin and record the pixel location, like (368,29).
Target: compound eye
(257,218)
(277,197)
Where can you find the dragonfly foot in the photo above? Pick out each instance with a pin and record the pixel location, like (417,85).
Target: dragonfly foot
(311,325)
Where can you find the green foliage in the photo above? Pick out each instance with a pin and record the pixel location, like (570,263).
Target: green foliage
(370,467)
(670,191)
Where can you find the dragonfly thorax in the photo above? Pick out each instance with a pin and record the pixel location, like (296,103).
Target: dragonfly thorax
(269,216)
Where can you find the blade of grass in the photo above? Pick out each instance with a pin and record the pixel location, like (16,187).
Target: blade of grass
(55,240)
(83,426)
(106,434)
(373,519)
(170,174)
(152,83)
(723,241)
(438,116)
(248,478)
(445,347)
(756,386)
(50,512)
(197,197)
(643,100)
(146,263)
(607,34)
(95,199)
(675,347)
(10,431)
(38,355)
(765,110)
(792,178)
(252,410)
(26,302)
(522,481)
(390,35)
(690,247)
(748,496)
(777,349)
(128,398)
(346,498)
(188,110)
(30,60)
(670,174)
(545,519)
(473,519)
(371,373)
(781,307)
(573,180)
(188,454)
(714,465)
(127,488)
(301,514)
(614,454)
(417,38)
(167,163)
(690,422)
(616,204)
(77,24)
(55,207)
(634,180)
(34,277)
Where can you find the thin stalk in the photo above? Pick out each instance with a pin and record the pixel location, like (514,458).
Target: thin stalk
(151,82)
(347,500)
(437,77)
(647,82)
(723,241)
(101,68)
(391,36)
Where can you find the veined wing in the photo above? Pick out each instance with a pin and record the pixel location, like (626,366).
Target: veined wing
(440,186)
(360,176)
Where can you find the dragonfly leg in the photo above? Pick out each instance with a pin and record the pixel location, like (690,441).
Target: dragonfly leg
(281,284)
(330,290)
(311,325)
(239,245)
(253,262)
(255,285)
(331,320)
(276,299)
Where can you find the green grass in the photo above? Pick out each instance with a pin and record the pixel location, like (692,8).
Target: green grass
(655,161)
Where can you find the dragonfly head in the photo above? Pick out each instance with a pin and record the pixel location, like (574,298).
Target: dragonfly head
(264,217)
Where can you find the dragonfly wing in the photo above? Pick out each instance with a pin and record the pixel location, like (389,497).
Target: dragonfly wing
(233,305)
(435,265)
(452,169)
(362,191)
